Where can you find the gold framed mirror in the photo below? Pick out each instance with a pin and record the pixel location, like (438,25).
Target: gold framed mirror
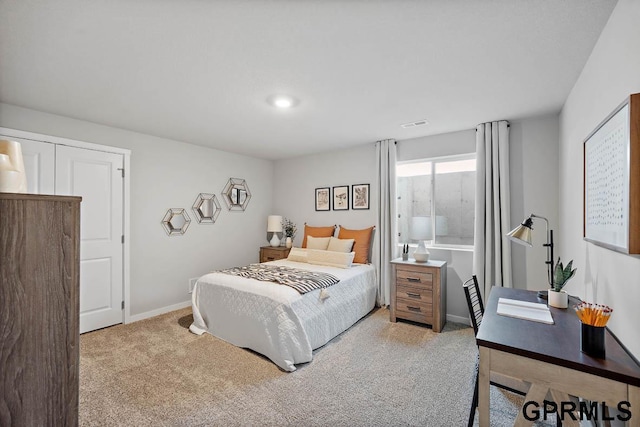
(206,208)
(236,194)
(176,221)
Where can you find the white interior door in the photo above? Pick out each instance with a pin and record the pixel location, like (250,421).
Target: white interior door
(97,178)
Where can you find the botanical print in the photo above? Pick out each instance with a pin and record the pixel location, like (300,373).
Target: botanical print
(341,198)
(322,199)
(360,196)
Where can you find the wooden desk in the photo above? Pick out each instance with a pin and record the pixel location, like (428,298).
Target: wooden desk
(549,357)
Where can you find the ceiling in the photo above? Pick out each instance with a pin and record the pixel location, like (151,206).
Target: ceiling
(201,71)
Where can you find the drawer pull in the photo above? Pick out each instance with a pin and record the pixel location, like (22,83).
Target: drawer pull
(413,295)
(413,279)
(413,308)
(270,258)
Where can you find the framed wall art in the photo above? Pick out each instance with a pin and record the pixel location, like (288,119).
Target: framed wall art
(360,196)
(341,198)
(611,155)
(322,199)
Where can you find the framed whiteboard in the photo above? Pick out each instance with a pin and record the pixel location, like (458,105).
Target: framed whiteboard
(612,180)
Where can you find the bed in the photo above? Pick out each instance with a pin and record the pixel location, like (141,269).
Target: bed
(277,321)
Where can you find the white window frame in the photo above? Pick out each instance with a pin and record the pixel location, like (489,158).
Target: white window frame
(434,161)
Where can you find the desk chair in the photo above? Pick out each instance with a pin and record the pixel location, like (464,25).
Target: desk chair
(476,311)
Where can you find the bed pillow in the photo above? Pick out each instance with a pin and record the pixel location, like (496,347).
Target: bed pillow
(340,245)
(317,232)
(321,243)
(298,255)
(330,258)
(362,242)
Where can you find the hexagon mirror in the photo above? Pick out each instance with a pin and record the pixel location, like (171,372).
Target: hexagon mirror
(206,208)
(236,194)
(176,222)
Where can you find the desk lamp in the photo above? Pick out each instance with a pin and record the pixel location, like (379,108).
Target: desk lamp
(522,235)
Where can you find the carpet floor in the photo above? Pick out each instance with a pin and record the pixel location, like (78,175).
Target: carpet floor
(377,373)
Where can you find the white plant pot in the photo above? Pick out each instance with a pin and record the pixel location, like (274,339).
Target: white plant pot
(558,299)
(288,242)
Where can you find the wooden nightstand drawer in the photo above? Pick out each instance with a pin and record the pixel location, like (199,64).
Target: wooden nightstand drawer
(418,311)
(418,292)
(271,253)
(414,278)
(413,293)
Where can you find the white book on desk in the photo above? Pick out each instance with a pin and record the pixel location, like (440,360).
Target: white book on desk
(525,310)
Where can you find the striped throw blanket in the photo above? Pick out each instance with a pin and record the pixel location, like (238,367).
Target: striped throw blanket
(302,281)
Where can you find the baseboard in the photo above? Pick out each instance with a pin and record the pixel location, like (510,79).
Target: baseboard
(159,311)
(458,319)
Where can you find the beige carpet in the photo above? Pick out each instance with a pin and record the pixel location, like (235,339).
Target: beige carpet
(156,373)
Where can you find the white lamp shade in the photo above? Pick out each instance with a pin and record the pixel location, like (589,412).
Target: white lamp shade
(13,178)
(274,224)
(420,228)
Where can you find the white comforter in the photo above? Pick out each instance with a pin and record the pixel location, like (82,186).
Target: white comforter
(277,321)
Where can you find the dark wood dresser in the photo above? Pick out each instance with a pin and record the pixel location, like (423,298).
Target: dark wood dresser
(39,309)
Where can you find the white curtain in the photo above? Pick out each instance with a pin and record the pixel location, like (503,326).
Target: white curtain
(386,220)
(492,249)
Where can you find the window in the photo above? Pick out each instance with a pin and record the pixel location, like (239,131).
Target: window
(437,194)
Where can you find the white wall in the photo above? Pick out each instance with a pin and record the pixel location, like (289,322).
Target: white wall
(296,179)
(170,174)
(534,189)
(611,74)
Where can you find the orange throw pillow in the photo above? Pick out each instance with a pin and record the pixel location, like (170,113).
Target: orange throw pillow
(317,232)
(362,242)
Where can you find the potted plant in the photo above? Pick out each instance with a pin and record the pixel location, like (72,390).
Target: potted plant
(561,275)
(290,230)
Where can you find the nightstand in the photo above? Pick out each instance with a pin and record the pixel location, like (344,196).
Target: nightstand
(272,253)
(419,292)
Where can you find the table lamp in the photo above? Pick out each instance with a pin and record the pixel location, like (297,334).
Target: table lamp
(522,235)
(421,231)
(274,225)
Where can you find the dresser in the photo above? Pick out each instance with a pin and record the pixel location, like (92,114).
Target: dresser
(273,253)
(39,309)
(419,292)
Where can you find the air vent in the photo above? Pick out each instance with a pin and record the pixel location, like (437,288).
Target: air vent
(414,124)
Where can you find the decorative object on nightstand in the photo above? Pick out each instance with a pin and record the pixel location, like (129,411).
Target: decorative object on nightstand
(421,231)
(270,253)
(419,292)
(290,230)
(274,225)
(522,235)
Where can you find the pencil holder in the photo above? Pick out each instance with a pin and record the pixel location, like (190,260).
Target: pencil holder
(592,340)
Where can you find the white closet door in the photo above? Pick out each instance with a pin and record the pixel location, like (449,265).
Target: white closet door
(95,176)
(39,165)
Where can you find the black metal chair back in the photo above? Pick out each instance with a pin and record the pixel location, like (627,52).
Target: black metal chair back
(474,302)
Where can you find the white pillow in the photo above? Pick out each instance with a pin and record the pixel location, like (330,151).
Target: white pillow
(330,258)
(318,242)
(340,245)
(298,255)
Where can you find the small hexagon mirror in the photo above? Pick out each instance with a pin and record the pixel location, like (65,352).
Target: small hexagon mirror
(236,194)
(206,208)
(176,222)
